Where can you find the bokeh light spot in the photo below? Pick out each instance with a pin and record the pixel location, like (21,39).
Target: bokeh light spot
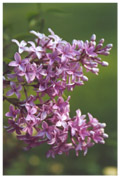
(34,160)
(110,170)
(56,168)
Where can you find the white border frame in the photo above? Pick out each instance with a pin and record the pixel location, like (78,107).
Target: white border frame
(1,89)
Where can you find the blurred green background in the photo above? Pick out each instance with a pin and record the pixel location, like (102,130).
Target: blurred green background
(98,96)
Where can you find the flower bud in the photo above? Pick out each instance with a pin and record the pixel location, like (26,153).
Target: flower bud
(101,41)
(104,63)
(109,45)
(95,70)
(102,125)
(84,78)
(102,142)
(93,38)
(105,135)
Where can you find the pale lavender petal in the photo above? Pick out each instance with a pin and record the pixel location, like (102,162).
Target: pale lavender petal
(42,88)
(33,110)
(30,130)
(18,95)
(8,114)
(13,63)
(52,141)
(21,50)
(11,76)
(27,78)
(23,43)
(28,118)
(22,67)
(41,133)
(43,72)
(78,112)
(32,43)
(13,85)
(104,63)
(50,30)
(39,48)
(43,115)
(44,125)
(59,123)
(64,124)
(32,76)
(17,57)
(10,93)
(15,41)
(34,32)
(19,88)
(48,135)
(11,108)
(39,55)
(28,107)
(72,131)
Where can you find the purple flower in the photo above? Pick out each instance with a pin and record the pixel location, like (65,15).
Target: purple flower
(51,66)
(14,89)
(53,57)
(29,128)
(31,110)
(39,35)
(13,112)
(79,125)
(13,126)
(67,52)
(37,50)
(18,62)
(21,45)
(40,72)
(89,49)
(47,131)
(84,145)
(29,71)
(61,121)
(53,36)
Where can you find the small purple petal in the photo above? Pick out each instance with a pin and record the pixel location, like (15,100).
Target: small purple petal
(13,63)
(18,95)
(17,57)
(10,93)
(44,125)
(8,114)
(33,110)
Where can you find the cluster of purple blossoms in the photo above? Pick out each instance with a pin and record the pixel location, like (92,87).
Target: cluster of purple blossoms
(51,66)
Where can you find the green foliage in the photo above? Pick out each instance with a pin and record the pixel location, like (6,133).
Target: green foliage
(55,11)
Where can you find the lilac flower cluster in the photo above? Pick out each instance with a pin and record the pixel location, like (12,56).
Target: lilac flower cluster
(51,66)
